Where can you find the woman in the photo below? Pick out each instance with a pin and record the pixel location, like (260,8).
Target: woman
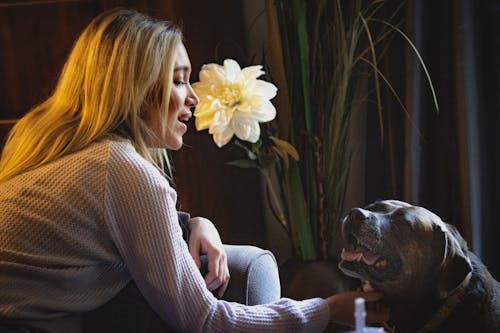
(87,207)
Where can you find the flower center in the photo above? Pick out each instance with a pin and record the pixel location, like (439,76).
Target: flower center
(231,96)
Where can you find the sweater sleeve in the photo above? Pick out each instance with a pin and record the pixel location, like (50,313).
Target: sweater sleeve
(142,220)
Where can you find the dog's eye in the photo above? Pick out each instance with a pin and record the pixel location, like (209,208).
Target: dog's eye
(404,214)
(377,207)
(405,220)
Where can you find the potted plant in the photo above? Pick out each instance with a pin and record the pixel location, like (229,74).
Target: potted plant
(326,65)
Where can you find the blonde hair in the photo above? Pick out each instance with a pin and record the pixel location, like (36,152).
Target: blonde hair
(121,64)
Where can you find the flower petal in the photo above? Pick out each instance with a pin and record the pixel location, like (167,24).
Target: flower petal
(257,91)
(212,74)
(252,72)
(223,137)
(202,123)
(254,132)
(263,110)
(232,70)
(245,128)
(263,89)
(203,89)
(205,113)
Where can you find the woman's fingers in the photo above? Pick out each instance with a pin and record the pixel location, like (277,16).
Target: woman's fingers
(205,239)
(223,287)
(218,273)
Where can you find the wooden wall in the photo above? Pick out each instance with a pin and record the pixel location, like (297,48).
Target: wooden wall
(37,36)
(231,197)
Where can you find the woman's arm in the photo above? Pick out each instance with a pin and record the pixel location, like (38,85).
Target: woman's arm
(142,220)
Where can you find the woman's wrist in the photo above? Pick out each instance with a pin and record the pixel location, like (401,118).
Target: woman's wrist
(342,307)
(334,308)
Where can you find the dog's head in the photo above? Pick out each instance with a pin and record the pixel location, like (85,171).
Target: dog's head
(404,251)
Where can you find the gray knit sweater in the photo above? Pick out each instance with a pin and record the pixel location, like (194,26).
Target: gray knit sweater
(74,232)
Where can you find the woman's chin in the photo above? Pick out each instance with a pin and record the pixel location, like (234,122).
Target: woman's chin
(170,143)
(174,144)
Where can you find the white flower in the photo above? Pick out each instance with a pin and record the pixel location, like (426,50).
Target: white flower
(233,101)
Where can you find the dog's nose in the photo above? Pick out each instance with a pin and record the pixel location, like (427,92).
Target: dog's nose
(359,214)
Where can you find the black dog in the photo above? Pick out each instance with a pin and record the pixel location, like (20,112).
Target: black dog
(431,282)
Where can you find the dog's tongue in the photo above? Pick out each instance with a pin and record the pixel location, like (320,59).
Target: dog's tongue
(364,255)
(369,257)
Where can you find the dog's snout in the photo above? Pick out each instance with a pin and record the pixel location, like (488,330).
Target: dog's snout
(359,214)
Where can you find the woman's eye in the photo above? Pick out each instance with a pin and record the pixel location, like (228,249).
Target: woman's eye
(180,83)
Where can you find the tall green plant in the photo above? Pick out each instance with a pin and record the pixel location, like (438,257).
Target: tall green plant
(331,52)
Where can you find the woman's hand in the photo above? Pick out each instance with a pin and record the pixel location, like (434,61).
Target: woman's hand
(204,239)
(342,307)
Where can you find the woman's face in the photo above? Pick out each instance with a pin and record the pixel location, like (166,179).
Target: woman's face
(182,99)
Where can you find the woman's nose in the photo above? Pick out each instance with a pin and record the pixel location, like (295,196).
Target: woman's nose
(192,99)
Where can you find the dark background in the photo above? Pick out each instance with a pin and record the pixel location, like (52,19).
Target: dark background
(450,165)
(37,36)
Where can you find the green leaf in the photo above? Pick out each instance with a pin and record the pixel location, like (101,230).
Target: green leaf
(268,160)
(299,214)
(300,11)
(244,164)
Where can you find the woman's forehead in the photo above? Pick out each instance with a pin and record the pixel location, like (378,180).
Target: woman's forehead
(182,62)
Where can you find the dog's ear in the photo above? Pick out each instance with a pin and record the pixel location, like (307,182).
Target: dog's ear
(455,265)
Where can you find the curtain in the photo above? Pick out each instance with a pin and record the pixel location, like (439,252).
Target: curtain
(446,160)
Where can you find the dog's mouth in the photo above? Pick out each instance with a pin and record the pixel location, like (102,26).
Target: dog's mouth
(364,261)
(363,254)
